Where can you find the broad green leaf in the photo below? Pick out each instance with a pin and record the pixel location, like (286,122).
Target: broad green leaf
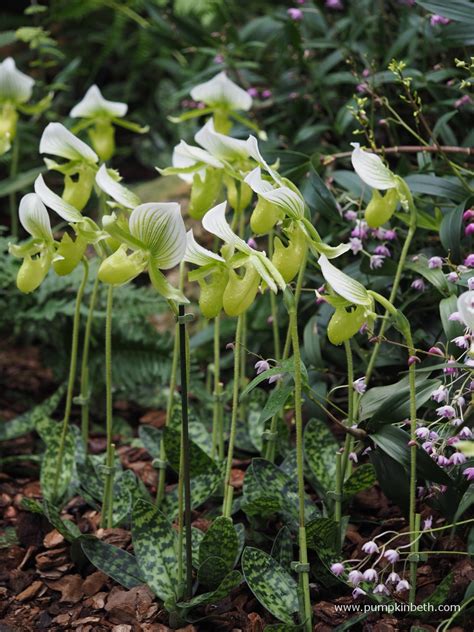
(202,486)
(435,276)
(320,448)
(440,593)
(126,491)
(448,188)
(199,461)
(311,342)
(282,549)
(114,562)
(220,540)
(271,584)
(276,401)
(459,10)
(154,543)
(212,571)
(451,228)
(50,431)
(392,477)
(231,581)
(322,200)
(27,421)
(360,479)
(466,502)
(321,533)
(451,328)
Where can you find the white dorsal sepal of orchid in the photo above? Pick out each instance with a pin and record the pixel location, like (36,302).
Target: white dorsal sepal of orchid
(188,159)
(221,146)
(35,220)
(214,222)
(343,284)
(59,141)
(15,86)
(94,105)
(220,91)
(197,254)
(108,181)
(55,202)
(291,203)
(466,309)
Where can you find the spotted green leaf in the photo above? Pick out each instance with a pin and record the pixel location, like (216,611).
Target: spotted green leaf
(282,549)
(440,593)
(151,439)
(282,627)
(231,581)
(155,545)
(212,571)
(127,490)
(221,542)
(202,486)
(319,449)
(199,461)
(114,562)
(200,436)
(362,478)
(50,431)
(26,422)
(66,528)
(321,532)
(271,584)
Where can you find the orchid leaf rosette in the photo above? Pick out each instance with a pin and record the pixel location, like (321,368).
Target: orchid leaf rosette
(353,304)
(373,172)
(153,239)
(80,167)
(99,117)
(240,290)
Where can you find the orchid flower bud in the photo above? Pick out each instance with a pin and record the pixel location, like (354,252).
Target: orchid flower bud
(69,254)
(77,192)
(344,325)
(264,216)
(240,292)
(204,193)
(212,293)
(288,259)
(120,268)
(238,200)
(102,137)
(381,208)
(32,272)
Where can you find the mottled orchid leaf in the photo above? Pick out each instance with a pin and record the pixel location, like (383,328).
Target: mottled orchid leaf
(68,529)
(202,487)
(50,431)
(231,581)
(220,540)
(118,564)
(320,448)
(440,594)
(212,571)
(26,422)
(362,478)
(127,490)
(282,549)
(271,584)
(321,532)
(200,436)
(155,546)
(151,439)
(199,461)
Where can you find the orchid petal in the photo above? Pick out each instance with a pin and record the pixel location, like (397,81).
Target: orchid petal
(466,309)
(197,254)
(343,284)
(161,228)
(15,86)
(94,105)
(185,156)
(59,141)
(115,190)
(56,203)
(34,217)
(163,286)
(283,197)
(214,222)
(254,152)
(222,91)
(371,170)
(221,146)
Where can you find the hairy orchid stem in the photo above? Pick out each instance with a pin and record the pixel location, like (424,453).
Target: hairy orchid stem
(274,308)
(107,504)
(217,429)
(85,394)
(228,489)
(350,406)
(12,196)
(72,376)
(303,551)
(338,498)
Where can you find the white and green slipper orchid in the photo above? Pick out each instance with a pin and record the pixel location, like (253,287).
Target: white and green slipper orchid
(99,116)
(56,140)
(157,238)
(352,302)
(240,292)
(373,172)
(15,89)
(221,146)
(108,180)
(222,92)
(37,253)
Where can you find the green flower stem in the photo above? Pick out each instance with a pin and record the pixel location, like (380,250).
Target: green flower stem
(85,366)
(303,556)
(414,549)
(228,489)
(72,374)
(12,196)
(396,283)
(270,449)
(217,429)
(243,362)
(273,308)
(338,498)
(160,490)
(108,499)
(350,406)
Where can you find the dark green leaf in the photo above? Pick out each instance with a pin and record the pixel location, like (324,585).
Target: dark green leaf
(51,431)
(230,582)
(199,461)
(220,541)
(440,593)
(450,232)
(276,401)
(114,562)
(282,549)
(459,10)
(320,448)
(362,478)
